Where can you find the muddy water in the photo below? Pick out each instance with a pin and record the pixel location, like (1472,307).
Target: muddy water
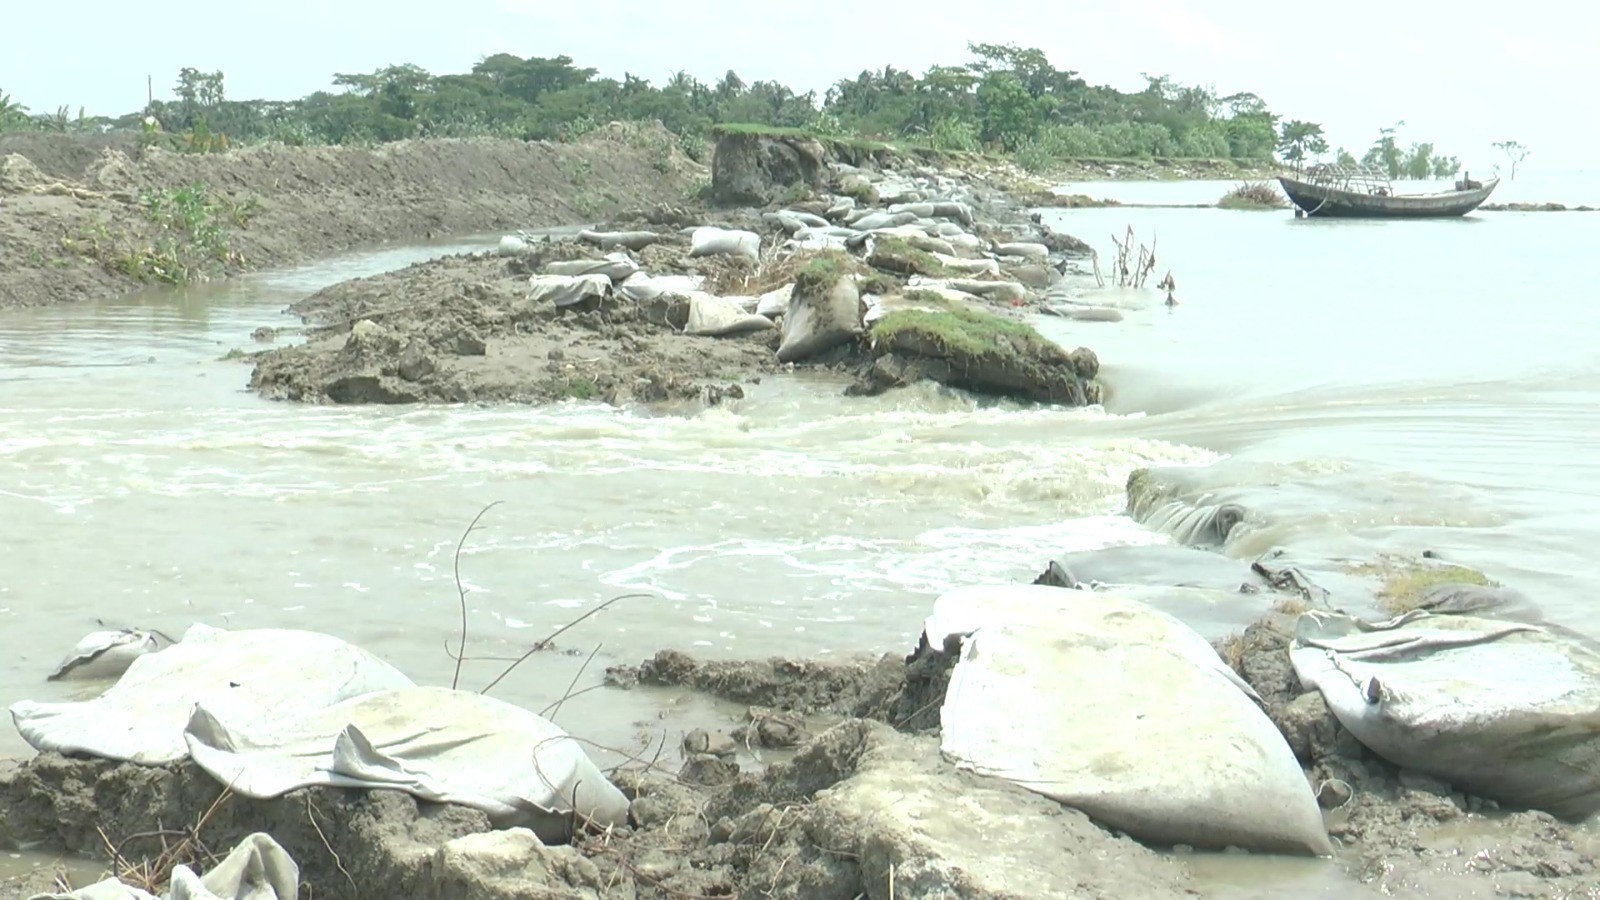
(1360,386)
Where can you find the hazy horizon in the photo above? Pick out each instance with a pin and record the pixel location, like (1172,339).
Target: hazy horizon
(1458,87)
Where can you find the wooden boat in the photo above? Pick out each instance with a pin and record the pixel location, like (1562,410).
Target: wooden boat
(1361,192)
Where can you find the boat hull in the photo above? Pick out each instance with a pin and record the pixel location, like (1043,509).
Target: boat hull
(1332,203)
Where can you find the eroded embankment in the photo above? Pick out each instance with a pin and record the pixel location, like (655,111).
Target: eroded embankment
(156,216)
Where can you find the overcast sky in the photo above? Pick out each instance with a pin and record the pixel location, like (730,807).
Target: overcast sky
(1461,76)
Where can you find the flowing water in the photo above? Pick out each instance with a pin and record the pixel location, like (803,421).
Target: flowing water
(1365,386)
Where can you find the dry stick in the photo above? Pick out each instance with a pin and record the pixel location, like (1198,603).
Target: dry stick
(545,642)
(355,891)
(550,713)
(461,592)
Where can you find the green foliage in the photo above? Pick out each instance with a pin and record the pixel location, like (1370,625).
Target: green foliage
(1300,141)
(188,239)
(823,271)
(1253,195)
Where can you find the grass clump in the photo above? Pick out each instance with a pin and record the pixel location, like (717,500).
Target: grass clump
(822,271)
(187,241)
(1253,195)
(958,331)
(1406,584)
(895,255)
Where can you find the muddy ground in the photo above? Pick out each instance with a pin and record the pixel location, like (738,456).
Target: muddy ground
(830,786)
(73,230)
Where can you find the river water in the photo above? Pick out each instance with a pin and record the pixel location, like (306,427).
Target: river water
(1368,386)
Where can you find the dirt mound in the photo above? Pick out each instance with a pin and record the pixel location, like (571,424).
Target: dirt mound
(463,328)
(272,204)
(66,157)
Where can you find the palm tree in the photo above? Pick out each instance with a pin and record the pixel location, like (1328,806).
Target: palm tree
(10,110)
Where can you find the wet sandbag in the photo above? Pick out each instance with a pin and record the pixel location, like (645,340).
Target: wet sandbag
(822,315)
(512,245)
(255,675)
(613,240)
(997,291)
(642,286)
(108,654)
(1503,710)
(918,239)
(569,291)
(617,267)
(713,316)
(709,240)
(1120,711)
(1035,252)
(438,744)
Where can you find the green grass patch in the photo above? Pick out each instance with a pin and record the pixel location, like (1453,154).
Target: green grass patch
(895,255)
(959,331)
(1405,584)
(1253,195)
(823,271)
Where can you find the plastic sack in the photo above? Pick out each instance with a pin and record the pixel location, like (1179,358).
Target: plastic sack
(713,316)
(642,286)
(567,291)
(711,241)
(617,267)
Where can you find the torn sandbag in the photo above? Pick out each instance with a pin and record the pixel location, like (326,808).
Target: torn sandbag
(713,316)
(574,292)
(108,654)
(617,267)
(438,744)
(642,286)
(258,868)
(1112,708)
(612,240)
(1503,710)
(709,240)
(250,675)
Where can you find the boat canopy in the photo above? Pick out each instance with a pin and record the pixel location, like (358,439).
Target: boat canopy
(1360,179)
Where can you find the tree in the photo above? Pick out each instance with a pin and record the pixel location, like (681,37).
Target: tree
(1515,152)
(12,113)
(1299,140)
(1385,152)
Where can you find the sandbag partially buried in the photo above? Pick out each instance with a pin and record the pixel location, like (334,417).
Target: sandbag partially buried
(1502,710)
(1121,712)
(824,312)
(714,316)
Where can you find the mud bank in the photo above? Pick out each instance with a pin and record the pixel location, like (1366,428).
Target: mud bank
(881,276)
(118,222)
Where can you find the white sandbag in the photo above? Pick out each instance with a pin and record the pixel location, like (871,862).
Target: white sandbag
(713,316)
(511,245)
(613,240)
(997,291)
(107,654)
(873,221)
(260,675)
(1497,709)
(965,244)
(569,290)
(616,267)
(257,869)
(842,207)
(709,240)
(1113,709)
(818,322)
(792,220)
(813,241)
(642,286)
(948,229)
(917,239)
(774,303)
(1035,252)
(922,210)
(443,745)
(969,266)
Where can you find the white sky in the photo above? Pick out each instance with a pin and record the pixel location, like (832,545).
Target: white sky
(1461,76)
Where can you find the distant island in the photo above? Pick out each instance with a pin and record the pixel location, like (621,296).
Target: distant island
(1007,101)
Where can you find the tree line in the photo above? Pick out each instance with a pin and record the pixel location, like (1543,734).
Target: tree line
(1006,99)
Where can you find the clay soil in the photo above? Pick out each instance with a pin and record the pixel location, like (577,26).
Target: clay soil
(70,206)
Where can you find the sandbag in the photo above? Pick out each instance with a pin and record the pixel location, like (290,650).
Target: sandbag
(616,267)
(1122,712)
(709,240)
(875,221)
(774,303)
(1503,710)
(721,317)
(968,266)
(1035,252)
(641,286)
(612,240)
(841,209)
(917,239)
(820,321)
(107,654)
(257,869)
(512,245)
(260,675)
(438,744)
(569,291)
(998,291)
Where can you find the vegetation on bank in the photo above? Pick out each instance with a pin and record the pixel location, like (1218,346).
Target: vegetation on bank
(1407,583)
(1253,195)
(959,331)
(186,239)
(1008,99)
